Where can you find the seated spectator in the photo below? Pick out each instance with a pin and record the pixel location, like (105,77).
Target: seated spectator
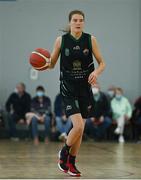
(17,105)
(53,132)
(98,124)
(1,118)
(110,95)
(111,92)
(121,110)
(136,118)
(40,113)
(63,124)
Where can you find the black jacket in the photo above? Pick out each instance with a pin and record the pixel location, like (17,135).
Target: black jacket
(19,105)
(44,108)
(137,110)
(101,107)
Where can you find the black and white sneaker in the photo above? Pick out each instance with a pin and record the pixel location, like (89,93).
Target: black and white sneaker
(63,158)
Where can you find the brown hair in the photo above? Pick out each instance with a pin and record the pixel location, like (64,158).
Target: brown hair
(119,89)
(67,29)
(75,12)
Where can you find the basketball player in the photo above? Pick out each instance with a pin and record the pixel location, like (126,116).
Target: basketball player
(77,74)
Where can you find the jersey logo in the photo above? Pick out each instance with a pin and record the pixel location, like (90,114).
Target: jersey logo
(69,107)
(76,48)
(86,52)
(77,65)
(67,52)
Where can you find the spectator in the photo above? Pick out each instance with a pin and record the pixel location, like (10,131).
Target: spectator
(1,118)
(98,124)
(121,110)
(63,124)
(111,92)
(136,119)
(40,113)
(17,105)
(110,95)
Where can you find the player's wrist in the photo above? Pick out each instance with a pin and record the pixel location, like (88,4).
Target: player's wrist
(95,72)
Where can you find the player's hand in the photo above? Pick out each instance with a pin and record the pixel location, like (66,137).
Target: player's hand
(93,78)
(50,64)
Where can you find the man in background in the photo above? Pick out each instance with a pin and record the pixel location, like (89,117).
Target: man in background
(17,105)
(100,121)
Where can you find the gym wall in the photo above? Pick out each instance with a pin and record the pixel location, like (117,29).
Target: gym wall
(28,24)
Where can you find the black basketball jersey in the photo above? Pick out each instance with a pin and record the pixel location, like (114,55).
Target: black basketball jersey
(76,60)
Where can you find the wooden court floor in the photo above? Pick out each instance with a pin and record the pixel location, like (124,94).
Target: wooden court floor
(96,160)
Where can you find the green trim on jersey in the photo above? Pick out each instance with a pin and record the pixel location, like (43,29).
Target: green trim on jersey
(62,44)
(90,42)
(77,40)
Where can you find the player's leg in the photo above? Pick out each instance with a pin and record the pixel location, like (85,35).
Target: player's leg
(72,157)
(73,112)
(74,134)
(75,147)
(77,129)
(85,106)
(74,139)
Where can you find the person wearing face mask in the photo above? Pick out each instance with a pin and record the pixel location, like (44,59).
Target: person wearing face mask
(111,92)
(40,113)
(100,121)
(121,112)
(110,95)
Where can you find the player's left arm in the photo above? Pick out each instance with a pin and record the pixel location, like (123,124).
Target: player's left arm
(101,64)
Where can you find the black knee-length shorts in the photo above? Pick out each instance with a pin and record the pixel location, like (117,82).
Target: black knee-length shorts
(77,98)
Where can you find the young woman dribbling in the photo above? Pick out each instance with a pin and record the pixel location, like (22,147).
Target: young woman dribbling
(77,73)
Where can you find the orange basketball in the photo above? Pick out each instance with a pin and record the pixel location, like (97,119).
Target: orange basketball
(40,59)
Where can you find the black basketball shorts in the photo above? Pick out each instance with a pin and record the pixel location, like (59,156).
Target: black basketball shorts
(77,98)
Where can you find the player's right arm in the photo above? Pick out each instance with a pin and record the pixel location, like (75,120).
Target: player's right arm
(56,52)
